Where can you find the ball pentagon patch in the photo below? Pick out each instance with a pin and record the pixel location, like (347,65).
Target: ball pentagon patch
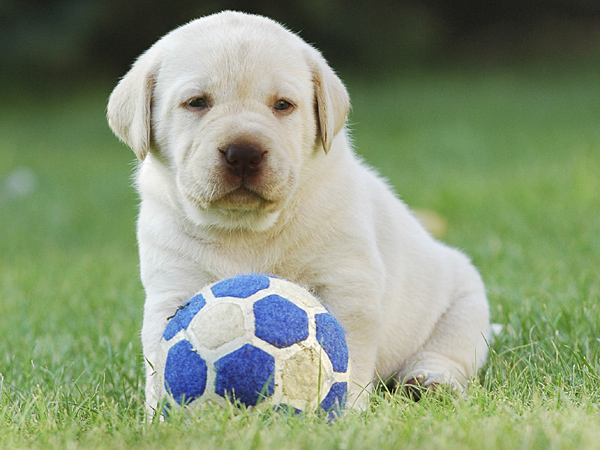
(185,371)
(242,286)
(274,310)
(184,316)
(330,335)
(253,339)
(257,383)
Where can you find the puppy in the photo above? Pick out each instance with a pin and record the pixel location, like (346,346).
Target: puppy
(246,166)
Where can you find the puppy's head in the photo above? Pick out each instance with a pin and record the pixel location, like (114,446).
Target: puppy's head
(236,107)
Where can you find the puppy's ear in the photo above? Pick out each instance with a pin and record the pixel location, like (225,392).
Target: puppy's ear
(130,104)
(331,97)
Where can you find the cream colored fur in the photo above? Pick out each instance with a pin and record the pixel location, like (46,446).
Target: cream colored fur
(411,306)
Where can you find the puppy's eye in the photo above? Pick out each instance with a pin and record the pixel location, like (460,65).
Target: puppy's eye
(282,105)
(197,103)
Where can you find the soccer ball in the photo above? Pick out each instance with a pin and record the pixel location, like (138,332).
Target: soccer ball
(253,339)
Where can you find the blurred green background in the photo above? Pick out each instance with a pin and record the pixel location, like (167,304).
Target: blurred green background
(63,40)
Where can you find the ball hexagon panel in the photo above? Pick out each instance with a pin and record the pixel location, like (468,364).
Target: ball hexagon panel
(242,286)
(279,322)
(301,377)
(184,316)
(257,382)
(330,335)
(218,325)
(185,373)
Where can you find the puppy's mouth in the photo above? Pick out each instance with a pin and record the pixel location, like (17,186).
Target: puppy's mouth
(237,198)
(241,197)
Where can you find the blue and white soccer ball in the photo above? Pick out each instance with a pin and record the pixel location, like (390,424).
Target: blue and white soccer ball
(252,339)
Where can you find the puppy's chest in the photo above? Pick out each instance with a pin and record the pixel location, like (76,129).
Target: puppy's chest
(232,257)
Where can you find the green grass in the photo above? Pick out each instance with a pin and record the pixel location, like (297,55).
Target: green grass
(509,157)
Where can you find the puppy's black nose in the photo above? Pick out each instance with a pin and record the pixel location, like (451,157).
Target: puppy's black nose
(243,160)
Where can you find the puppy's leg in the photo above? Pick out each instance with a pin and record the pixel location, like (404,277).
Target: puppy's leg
(156,316)
(361,321)
(457,346)
(362,346)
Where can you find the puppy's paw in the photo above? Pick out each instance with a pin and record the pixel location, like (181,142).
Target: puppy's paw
(358,396)
(417,381)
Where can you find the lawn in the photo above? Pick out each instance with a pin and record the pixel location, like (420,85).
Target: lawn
(509,157)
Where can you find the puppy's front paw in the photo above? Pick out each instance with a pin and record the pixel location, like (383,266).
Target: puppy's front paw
(358,396)
(415,382)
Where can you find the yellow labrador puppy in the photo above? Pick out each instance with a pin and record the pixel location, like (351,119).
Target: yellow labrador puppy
(246,166)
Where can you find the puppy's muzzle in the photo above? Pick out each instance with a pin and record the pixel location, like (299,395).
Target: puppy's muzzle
(243,161)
